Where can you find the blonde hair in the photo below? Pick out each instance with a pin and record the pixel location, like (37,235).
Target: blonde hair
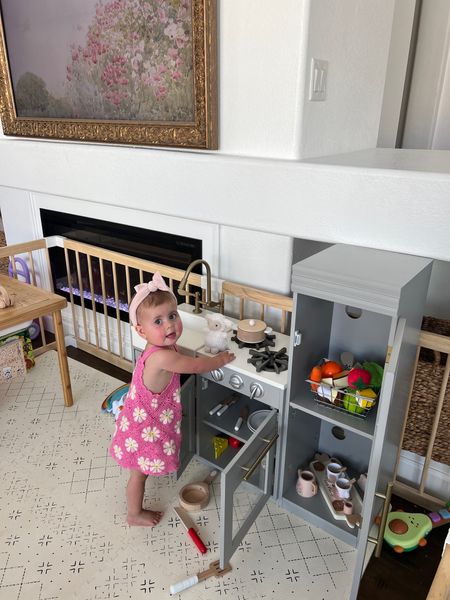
(154,299)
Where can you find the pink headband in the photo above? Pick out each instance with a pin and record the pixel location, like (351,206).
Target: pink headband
(143,290)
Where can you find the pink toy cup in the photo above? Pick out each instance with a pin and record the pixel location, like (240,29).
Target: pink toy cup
(306,484)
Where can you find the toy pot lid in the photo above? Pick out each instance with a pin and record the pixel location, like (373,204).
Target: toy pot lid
(251,331)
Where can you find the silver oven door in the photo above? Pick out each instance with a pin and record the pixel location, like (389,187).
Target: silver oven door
(246,485)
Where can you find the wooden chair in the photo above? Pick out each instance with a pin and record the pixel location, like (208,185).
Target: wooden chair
(35,254)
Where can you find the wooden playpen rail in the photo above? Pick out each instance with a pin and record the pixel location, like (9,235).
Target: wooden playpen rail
(437,343)
(31,253)
(264,299)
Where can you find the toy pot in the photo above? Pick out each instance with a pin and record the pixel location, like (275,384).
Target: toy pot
(195,496)
(252,331)
(306,484)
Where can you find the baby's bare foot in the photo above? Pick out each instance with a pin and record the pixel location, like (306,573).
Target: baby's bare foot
(146,518)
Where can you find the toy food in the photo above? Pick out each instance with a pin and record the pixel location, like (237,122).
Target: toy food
(376,373)
(315,375)
(355,390)
(234,443)
(350,402)
(359,378)
(341,380)
(220,444)
(366,398)
(330,368)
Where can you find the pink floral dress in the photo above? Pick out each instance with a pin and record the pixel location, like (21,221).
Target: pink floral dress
(148,429)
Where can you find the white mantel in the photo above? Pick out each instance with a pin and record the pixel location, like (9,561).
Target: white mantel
(376,198)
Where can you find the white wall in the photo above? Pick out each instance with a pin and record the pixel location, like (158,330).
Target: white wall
(397,68)
(428,116)
(354,38)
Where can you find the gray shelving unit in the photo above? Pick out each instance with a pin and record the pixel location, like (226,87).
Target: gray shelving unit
(369,302)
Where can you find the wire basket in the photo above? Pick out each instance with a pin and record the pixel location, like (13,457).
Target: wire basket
(334,398)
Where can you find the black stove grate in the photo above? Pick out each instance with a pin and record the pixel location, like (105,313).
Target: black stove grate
(268,342)
(269,360)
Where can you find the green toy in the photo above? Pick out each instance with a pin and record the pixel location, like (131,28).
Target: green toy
(406,531)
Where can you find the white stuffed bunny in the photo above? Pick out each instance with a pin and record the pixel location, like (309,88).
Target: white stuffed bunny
(216,339)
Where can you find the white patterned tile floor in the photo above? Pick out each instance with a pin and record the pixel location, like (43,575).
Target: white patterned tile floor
(62,504)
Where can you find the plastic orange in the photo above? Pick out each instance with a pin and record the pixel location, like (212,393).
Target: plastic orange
(330,368)
(315,375)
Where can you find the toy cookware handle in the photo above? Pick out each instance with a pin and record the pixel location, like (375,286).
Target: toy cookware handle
(215,409)
(222,410)
(238,424)
(183,585)
(197,541)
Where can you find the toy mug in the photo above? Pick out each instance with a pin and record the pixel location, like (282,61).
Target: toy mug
(334,469)
(343,487)
(348,507)
(306,484)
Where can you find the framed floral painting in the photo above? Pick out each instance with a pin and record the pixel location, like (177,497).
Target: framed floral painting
(119,71)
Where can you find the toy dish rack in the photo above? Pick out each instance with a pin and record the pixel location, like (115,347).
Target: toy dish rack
(350,403)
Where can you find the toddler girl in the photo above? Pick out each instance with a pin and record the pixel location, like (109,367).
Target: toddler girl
(148,429)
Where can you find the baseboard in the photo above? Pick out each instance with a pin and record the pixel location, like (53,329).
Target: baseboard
(410,471)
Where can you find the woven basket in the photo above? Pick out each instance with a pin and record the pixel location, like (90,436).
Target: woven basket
(12,360)
(425,393)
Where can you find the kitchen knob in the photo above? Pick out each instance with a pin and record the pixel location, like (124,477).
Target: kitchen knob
(236,382)
(217,374)
(256,391)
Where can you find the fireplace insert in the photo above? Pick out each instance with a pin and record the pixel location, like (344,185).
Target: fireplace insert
(165,248)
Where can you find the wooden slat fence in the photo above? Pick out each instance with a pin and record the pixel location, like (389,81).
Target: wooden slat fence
(417,493)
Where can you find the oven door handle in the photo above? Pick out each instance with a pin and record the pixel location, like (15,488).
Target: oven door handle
(250,470)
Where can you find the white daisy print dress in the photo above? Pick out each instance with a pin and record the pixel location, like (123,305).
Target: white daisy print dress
(148,432)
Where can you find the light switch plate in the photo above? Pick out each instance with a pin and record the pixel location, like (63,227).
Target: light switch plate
(318,80)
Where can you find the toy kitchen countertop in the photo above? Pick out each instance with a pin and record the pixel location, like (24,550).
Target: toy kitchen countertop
(193,339)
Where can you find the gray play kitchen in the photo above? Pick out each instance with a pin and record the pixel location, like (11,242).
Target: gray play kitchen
(271,431)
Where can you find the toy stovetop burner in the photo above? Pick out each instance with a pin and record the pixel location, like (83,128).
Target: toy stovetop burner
(269,360)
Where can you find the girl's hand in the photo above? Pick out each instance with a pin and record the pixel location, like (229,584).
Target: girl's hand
(223,358)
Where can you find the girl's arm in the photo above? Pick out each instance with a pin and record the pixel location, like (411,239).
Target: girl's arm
(176,362)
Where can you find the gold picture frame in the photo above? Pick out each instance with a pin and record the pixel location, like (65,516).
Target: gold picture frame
(170,101)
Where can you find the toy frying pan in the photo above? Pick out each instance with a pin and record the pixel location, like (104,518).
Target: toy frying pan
(195,496)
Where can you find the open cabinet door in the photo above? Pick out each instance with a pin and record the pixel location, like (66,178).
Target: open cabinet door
(187,449)
(384,451)
(246,485)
